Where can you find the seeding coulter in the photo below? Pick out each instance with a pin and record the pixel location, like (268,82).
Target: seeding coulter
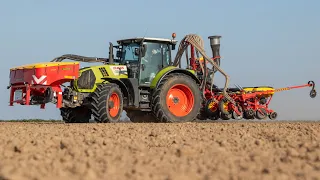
(145,81)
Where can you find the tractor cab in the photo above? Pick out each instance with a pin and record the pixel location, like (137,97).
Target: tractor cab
(145,57)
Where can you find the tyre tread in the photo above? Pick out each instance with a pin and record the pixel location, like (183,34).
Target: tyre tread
(99,102)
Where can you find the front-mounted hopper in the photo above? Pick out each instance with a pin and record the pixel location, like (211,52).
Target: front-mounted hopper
(40,83)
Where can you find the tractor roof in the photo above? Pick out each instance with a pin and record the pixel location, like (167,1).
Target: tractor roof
(147,39)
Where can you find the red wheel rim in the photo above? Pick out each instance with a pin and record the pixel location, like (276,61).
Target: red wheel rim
(180,100)
(115,100)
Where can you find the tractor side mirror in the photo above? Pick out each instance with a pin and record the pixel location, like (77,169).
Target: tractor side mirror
(173,47)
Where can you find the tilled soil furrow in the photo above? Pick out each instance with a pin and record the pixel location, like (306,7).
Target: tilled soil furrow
(226,150)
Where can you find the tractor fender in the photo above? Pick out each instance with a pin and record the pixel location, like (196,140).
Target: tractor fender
(170,70)
(122,86)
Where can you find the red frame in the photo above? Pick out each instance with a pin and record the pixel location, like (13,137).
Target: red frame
(247,100)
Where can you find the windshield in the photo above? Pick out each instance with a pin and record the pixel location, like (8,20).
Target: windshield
(128,52)
(158,52)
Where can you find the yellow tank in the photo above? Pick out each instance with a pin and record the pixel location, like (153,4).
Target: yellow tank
(260,89)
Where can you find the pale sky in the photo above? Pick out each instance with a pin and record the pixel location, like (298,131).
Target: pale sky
(274,43)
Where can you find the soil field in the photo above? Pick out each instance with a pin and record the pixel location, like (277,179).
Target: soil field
(216,150)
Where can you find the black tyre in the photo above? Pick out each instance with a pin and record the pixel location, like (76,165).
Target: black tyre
(225,111)
(76,115)
(212,110)
(236,116)
(226,116)
(249,114)
(261,115)
(224,106)
(107,103)
(177,99)
(273,115)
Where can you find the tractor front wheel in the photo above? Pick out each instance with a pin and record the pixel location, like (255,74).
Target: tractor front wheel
(107,103)
(177,99)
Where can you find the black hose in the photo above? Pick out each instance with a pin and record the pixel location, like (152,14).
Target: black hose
(79,58)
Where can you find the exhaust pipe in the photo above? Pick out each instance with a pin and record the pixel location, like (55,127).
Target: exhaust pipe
(215,47)
(111,60)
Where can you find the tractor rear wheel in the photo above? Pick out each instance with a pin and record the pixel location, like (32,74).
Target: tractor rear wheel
(79,114)
(107,103)
(177,99)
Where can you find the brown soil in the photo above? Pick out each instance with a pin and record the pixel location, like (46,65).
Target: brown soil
(219,150)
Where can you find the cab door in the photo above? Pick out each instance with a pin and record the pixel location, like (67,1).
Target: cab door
(157,57)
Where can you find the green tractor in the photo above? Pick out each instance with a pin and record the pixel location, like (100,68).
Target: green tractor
(141,80)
